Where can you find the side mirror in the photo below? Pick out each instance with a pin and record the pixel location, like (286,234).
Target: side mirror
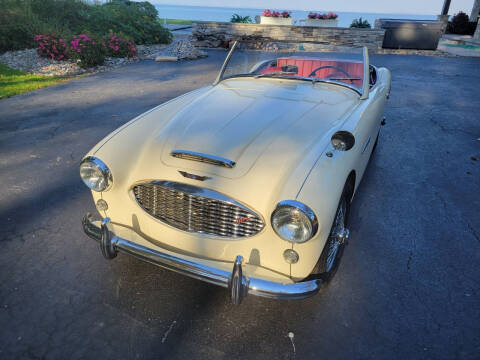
(343,141)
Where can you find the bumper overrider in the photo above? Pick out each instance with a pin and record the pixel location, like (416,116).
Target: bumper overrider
(237,283)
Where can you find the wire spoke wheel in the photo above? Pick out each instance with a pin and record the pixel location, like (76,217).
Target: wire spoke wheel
(337,236)
(332,252)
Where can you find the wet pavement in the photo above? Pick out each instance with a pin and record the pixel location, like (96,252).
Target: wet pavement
(408,286)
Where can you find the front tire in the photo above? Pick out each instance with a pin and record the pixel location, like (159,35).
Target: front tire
(376,142)
(329,260)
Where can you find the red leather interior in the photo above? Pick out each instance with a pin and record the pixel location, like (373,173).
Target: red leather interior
(307,65)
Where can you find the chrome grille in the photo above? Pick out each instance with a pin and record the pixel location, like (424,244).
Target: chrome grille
(195,209)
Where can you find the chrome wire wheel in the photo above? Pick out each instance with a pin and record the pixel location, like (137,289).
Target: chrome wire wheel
(338,235)
(329,259)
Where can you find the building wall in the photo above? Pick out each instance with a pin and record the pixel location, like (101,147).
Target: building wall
(217,34)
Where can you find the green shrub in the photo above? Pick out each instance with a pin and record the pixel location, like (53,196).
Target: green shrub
(361,24)
(18,26)
(136,20)
(460,24)
(118,46)
(241,19)
(87,50)
(52,46)
(21,20)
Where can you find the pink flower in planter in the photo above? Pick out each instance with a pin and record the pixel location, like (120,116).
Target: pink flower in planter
(267,13)
(328,16)
(332,15)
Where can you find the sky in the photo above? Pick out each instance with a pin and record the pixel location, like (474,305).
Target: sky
(433,7)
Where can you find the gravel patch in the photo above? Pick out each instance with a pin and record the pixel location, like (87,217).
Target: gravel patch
(149,52)
(29,60)
(183,50)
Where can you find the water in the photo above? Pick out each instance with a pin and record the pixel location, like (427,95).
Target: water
(206,13)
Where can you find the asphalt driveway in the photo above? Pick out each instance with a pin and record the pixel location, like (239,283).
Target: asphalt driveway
(408,286)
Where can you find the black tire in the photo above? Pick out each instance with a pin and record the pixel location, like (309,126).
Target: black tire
(376,142)
(329,260)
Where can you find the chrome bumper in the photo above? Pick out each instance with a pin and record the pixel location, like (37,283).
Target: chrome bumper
(238,284)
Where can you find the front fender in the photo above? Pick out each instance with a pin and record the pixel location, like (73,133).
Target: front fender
(321,192)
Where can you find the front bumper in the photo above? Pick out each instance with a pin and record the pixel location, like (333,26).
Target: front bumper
(238,283)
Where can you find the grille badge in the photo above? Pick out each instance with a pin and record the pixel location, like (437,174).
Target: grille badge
(193,176)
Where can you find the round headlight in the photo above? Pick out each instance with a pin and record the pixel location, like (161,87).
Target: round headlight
(95,174)
(294,221)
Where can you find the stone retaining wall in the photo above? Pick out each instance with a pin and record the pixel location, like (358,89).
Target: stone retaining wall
(218,34)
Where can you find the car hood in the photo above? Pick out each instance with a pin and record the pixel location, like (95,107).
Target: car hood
(274,130)
(243,120)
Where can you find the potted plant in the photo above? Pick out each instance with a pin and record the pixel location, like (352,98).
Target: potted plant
(276,17)
(323,20)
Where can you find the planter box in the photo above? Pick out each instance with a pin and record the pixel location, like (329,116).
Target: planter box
(322,22)
(275,21)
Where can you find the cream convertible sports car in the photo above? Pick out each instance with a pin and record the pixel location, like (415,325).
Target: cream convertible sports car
(246,183)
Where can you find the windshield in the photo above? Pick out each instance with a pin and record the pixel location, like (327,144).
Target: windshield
(300,61)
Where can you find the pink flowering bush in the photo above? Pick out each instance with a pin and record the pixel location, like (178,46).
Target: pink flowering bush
(117,46)
(52,46)
(326,16)
(276,14)
(87,51)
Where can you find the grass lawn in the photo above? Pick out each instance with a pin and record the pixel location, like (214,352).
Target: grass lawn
(15,82)
(177,22)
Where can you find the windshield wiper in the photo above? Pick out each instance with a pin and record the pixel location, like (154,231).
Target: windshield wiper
(276,73)
(340,79)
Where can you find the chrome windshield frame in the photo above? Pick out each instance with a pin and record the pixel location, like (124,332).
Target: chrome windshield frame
(362,92)
(225,63)
(366,75)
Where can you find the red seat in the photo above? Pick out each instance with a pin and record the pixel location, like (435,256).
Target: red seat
(307,65)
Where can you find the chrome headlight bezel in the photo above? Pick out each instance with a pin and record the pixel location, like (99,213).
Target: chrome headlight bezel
(103,169)
(295,207)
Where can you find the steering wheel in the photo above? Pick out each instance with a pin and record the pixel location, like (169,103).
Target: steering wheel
(313,73)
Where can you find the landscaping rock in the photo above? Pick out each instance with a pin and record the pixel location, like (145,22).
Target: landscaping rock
(149,52)
(183,50)
(29,61)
